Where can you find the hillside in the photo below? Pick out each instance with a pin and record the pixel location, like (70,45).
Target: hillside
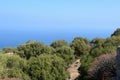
(82,59)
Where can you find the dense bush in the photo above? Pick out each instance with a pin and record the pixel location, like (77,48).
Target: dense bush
(58,43)
(97,51)
(80,46)
(47,67)
(9,50)
(66,53)
(12,66)
(97,42)
(16,73)
(116,32)
(33,49)
(86,60)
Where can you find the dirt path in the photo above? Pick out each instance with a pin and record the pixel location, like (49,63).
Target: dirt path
(73,70)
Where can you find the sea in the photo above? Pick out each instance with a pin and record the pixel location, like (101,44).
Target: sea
(15,38)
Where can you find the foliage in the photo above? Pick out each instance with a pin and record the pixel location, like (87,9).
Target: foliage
(80,46)
(98,41)
(15,73)
(12,66)
(116,32)
(14,61)
(47,67)
(66,53)
(59,43)
(33,49)
(9,50)
(1,52)
(112,41)
(97,51)
(86,60)
(103,46)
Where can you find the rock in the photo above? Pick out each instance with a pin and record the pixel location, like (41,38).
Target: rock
(73,70)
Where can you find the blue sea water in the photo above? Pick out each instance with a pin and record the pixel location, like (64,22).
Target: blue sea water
(15,38)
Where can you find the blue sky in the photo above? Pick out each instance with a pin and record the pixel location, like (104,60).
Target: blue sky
(87,18)
(62,14)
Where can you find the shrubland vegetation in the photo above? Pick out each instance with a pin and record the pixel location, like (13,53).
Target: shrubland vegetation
(103,67)
(37,61)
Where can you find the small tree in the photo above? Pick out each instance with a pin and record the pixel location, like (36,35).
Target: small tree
(47,67)
(97,41)
(33,49)
(66,53)
(112,41)
(59,43)
(85,60)
(12,66)
(80,46)
(116,32)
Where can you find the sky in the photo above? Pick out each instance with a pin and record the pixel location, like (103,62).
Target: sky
(57,19)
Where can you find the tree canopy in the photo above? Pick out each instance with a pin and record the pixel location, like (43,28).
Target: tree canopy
(58,43)
(33,48)
(66,53)
(116,32)
(80,45)
(47,67)
(12,66)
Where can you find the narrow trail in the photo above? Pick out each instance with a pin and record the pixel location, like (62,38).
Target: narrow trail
(73,70)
